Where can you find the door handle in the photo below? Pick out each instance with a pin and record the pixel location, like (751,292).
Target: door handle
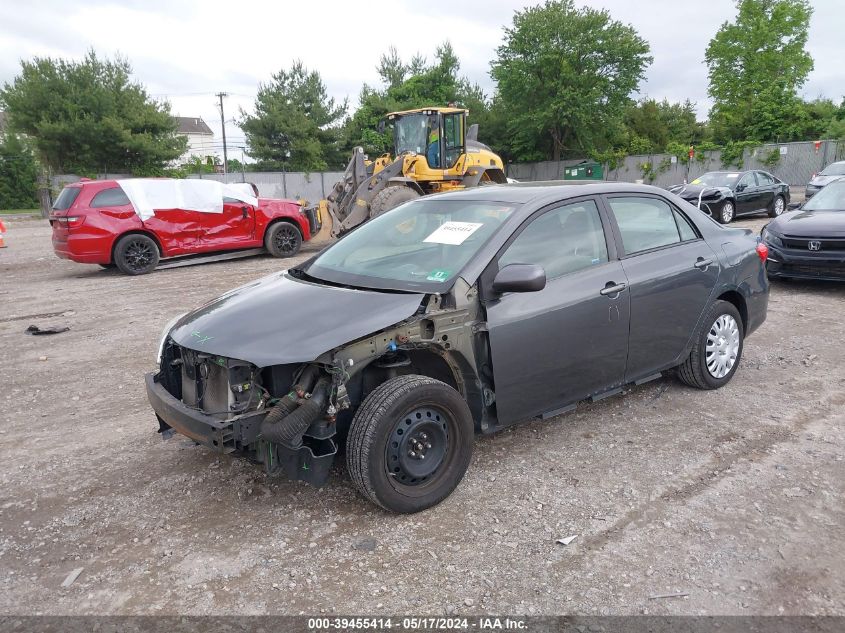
(612,288)
(702,263)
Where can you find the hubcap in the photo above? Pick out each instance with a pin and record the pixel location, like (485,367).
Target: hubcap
(418,446)
(722,346)
(285,239)
(727,212)
(139,255)
(779,206)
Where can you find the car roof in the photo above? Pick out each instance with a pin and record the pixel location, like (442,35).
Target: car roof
(537,192)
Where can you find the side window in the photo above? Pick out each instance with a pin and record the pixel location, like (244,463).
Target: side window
(562,241)
(644,223)
(113,197)
(764,179)
(684,227)
(747,181)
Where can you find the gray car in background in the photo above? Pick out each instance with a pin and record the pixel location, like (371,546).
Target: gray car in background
(832,172)
(457,314)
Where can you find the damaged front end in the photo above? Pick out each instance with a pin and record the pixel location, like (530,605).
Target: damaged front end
(282,416)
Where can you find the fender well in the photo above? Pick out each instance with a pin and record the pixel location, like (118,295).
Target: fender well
(148,234)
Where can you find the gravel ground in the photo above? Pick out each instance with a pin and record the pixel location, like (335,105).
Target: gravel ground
(733,498)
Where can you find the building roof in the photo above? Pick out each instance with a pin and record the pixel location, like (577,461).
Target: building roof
(192,125)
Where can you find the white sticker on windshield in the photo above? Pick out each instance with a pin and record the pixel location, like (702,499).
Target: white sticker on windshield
(453,232)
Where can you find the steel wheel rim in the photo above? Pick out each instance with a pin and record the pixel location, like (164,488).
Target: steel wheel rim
(722,346)
(285,239)
(779,206)
(138,255)
(418,446)
(727,212)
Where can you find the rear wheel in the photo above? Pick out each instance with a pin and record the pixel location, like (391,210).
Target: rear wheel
(778,207)
(283,239)
(717,350)
(136,254)
(727,212)
(410,443)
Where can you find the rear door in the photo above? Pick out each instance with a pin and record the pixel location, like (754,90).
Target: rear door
(568,341)
(766,189)
(671,274)
(230,229)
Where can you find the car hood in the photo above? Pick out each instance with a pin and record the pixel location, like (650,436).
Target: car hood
(691,192)
(804,223)
(821,181)
(280,319)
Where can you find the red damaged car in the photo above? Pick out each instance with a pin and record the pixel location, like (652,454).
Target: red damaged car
(132,224)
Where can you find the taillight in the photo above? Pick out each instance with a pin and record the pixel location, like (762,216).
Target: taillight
(71,221)
(762,252)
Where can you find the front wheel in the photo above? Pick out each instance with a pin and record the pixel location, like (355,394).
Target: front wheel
(283,239)
(727,212)
(716,350)
(136,254)
(410,443)
(778,207)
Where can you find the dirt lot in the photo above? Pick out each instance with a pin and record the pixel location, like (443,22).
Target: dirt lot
(734,497)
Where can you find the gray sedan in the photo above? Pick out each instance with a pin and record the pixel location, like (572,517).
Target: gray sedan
(457,314)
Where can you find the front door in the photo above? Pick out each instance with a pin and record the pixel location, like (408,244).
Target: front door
(556,346)
(747,194)
(231,228)
(671,274)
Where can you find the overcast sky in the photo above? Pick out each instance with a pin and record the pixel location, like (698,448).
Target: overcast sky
(187,51)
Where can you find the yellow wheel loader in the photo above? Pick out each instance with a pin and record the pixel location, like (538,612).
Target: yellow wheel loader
(433,152)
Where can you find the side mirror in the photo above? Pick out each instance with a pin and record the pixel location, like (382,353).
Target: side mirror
(740,187)
(519,278)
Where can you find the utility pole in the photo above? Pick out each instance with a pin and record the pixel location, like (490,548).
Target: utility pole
(220,96)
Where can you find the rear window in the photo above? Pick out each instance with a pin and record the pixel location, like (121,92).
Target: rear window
(114,197)
(66,198)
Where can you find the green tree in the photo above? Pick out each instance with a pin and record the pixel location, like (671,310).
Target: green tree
(295,124)
(414,84)
(654,125)
(564,76)
(88,116)
(756,65)
(18,174)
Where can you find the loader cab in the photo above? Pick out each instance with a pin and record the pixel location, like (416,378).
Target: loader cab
(439,134)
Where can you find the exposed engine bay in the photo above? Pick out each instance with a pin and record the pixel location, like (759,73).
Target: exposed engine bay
(290,417)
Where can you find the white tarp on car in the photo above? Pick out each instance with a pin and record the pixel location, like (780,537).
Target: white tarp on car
(149,194)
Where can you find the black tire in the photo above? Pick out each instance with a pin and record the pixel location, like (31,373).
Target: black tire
(778,206)
(390,198)
(727,212)
(136,254)
(694,371)
(283,239)
(380,454)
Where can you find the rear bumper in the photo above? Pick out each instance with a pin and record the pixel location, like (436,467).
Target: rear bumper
(84,249)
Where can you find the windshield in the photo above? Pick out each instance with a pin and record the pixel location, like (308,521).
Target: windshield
(830,197)
(836,169)
(717,179)
(412,131)
(421,245)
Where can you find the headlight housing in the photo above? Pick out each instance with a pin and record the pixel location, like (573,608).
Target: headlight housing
(770,238)
(164,334)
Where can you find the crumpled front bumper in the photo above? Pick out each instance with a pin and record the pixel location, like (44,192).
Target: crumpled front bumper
(224,436)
